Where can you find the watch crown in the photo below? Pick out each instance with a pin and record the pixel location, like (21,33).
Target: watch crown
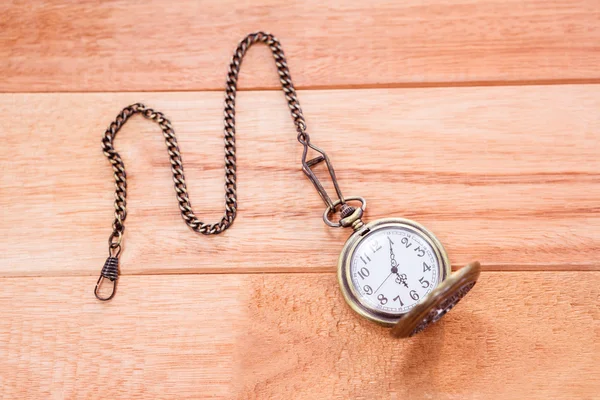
(346,210)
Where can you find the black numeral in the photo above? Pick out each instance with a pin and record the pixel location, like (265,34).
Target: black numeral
(363,273)
(414,295)
(420,251)
(368,290)
(426,267)
(406,242)
(423,282)
(382,299)
(400,300)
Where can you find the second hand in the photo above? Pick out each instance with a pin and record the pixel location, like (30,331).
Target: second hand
(388,277)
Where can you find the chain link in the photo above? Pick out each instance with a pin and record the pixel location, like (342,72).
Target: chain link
(165,125)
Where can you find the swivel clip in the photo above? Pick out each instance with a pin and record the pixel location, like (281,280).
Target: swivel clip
(110,271)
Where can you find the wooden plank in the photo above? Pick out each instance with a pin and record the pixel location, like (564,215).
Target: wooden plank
(166,339)
(274,336)
(506,175)
(64,45)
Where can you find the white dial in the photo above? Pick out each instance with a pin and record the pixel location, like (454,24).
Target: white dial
(392,268)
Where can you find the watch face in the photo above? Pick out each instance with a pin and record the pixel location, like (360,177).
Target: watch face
(391,268)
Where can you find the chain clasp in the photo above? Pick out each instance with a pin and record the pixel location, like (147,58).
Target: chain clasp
(350,215)
(110,270)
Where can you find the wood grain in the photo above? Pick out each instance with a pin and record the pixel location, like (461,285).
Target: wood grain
(68,45)
(275,336)
(505,175)
(410,100)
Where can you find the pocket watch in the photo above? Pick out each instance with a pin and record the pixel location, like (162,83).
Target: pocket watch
(395,272)
(392,271)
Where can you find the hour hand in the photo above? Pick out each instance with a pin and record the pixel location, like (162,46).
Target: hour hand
(401,280)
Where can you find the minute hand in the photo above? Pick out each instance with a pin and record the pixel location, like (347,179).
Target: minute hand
(393,261)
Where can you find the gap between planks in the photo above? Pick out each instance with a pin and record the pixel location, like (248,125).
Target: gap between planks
(591,268)
(367,86)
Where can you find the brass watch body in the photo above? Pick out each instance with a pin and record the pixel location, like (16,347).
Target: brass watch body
(447,288)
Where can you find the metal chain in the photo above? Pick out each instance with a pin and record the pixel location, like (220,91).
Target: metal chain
(111,268)
(175,155)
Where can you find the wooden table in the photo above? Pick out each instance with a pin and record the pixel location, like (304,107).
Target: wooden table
(479,119)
